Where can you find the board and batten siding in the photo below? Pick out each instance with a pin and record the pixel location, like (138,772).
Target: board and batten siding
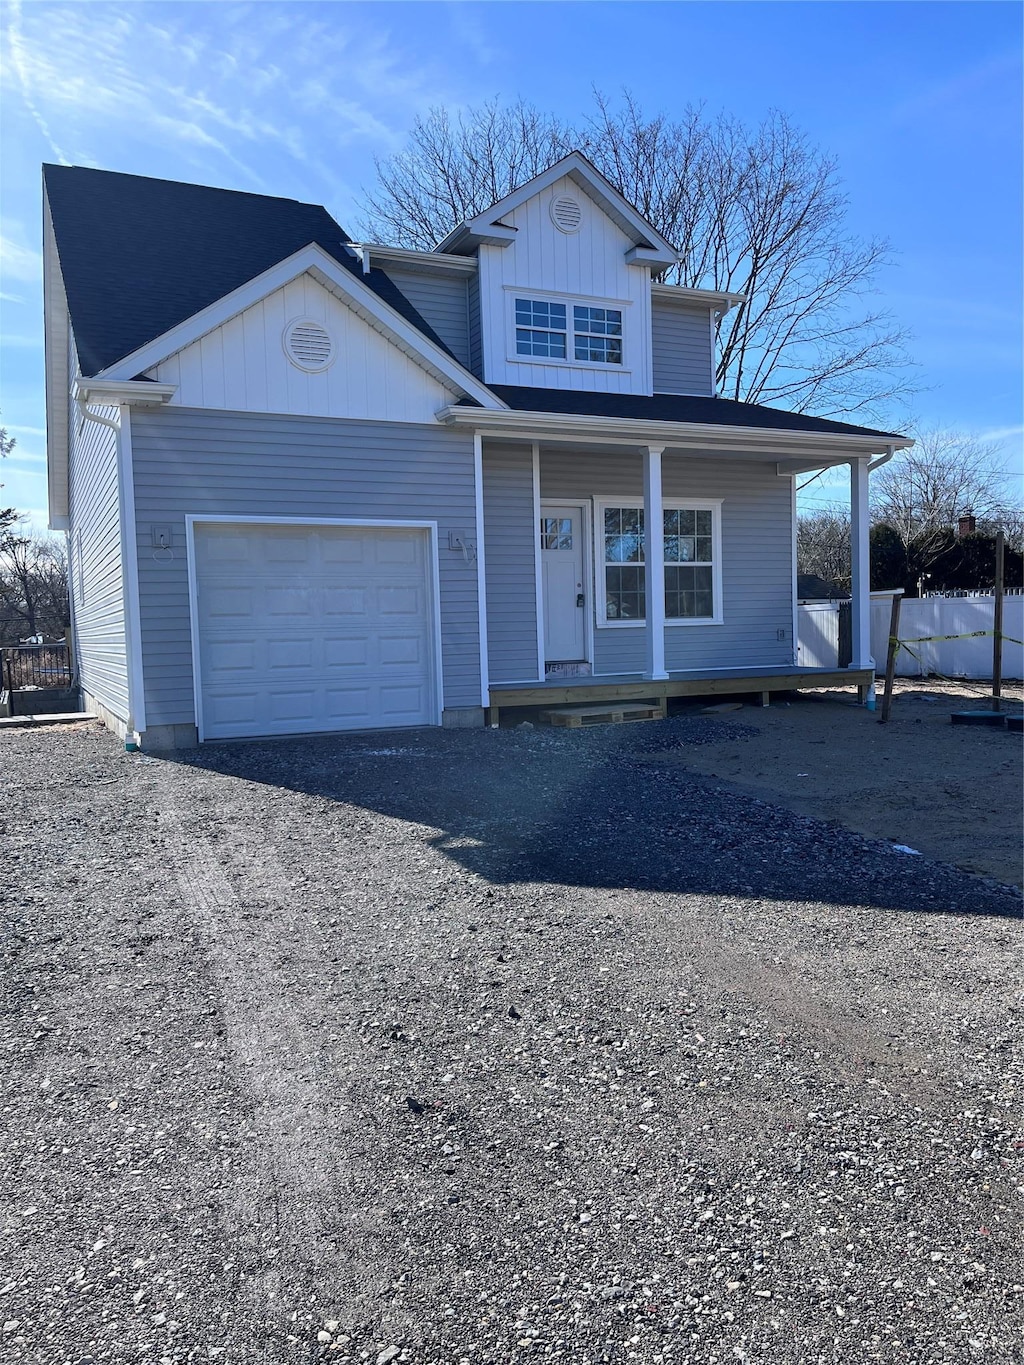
(757,555)
(589,266)
(442,300)
(511,538)
(97,578)
(681,348)
(240,464)
(242,366)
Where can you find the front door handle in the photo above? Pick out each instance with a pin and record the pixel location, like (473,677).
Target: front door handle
(579,599)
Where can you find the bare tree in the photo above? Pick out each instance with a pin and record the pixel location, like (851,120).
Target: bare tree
(8,515)
(33,587)
(755,211)
(823,545)
(922,493)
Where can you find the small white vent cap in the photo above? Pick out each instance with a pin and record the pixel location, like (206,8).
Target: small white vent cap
(308,344)
(566,213)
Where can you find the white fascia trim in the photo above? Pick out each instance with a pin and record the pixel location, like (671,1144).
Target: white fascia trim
(427,261)
(589,179)
(314,260)
(767,442)
(138,393)
(713,298)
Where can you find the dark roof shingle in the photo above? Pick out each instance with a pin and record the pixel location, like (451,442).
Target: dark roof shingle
(139,256)
(670,407)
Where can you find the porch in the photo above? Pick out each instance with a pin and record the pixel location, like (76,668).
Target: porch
(679,683)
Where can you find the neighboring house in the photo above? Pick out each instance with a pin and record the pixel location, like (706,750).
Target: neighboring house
(810,587)
(312,485)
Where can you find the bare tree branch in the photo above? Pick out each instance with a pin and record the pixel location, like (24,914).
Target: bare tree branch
(758,211)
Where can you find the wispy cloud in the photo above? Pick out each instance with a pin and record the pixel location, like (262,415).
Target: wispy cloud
(19,262)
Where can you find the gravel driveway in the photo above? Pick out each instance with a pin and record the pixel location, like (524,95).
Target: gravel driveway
(492,1047)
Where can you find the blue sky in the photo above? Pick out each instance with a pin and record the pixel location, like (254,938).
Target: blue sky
(920,103)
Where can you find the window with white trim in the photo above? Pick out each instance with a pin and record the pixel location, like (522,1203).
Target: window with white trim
(543,332)
(597,334)
(540,329)
(692,552)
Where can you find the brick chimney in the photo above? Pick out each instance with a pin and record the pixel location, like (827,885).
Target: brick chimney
(966,526)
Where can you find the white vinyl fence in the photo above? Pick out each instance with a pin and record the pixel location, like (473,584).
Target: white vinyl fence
(936,616)
(818,635)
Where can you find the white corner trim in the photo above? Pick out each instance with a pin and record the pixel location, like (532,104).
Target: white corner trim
(334,277)
(130,574)
(194,519)
(538,562)
(481,569)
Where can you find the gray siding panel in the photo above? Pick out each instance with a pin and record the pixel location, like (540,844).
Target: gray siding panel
(96,568)
(476,346)
(243,464)
(443,302)
(757,550)
(511,563)
(681,341)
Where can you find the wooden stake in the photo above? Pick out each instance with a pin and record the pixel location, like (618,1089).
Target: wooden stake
(890,658)
(997,625)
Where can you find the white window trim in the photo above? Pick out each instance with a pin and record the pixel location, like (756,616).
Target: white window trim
(674,504)
(514,291)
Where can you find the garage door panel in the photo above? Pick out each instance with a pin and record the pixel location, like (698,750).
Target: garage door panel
(313,628)
(348,601)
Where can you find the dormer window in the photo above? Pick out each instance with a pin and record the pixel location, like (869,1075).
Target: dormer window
(540,329)
(597,333)
(579,333)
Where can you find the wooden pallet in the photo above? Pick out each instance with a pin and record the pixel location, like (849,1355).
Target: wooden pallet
(577,716)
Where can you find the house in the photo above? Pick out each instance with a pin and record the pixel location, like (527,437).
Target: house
(315,485)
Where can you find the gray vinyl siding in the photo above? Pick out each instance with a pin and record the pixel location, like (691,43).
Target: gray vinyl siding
(681,341)
(757,556)
(476,345)
(201,462)
(443,302)
(95,561)
(510,538)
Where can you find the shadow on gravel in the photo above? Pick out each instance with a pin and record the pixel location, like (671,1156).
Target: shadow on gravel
(588,808)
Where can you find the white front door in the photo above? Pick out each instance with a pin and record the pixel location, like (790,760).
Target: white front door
(561,552)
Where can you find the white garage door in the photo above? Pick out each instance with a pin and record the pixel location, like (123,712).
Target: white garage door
(313,628)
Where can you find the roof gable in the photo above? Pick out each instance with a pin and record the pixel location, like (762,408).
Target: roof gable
(649,246)
(140,256)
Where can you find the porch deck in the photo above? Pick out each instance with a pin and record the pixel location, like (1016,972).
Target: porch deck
(687,683)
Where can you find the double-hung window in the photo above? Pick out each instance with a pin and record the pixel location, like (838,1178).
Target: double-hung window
(597,334)
(540,329)
(692,552)
(546,330)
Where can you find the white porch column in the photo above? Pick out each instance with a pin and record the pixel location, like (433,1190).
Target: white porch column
(654,563)
(860,585)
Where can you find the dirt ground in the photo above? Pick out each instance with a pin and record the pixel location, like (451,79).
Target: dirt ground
(491,1047)
(953,793)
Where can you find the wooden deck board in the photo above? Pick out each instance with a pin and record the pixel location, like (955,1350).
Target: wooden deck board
(726,682)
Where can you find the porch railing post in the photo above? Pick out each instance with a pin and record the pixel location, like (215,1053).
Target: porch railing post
(860,577)
(654,563)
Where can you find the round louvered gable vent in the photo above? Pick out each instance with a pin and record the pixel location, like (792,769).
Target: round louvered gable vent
(308,344)
(566,213)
